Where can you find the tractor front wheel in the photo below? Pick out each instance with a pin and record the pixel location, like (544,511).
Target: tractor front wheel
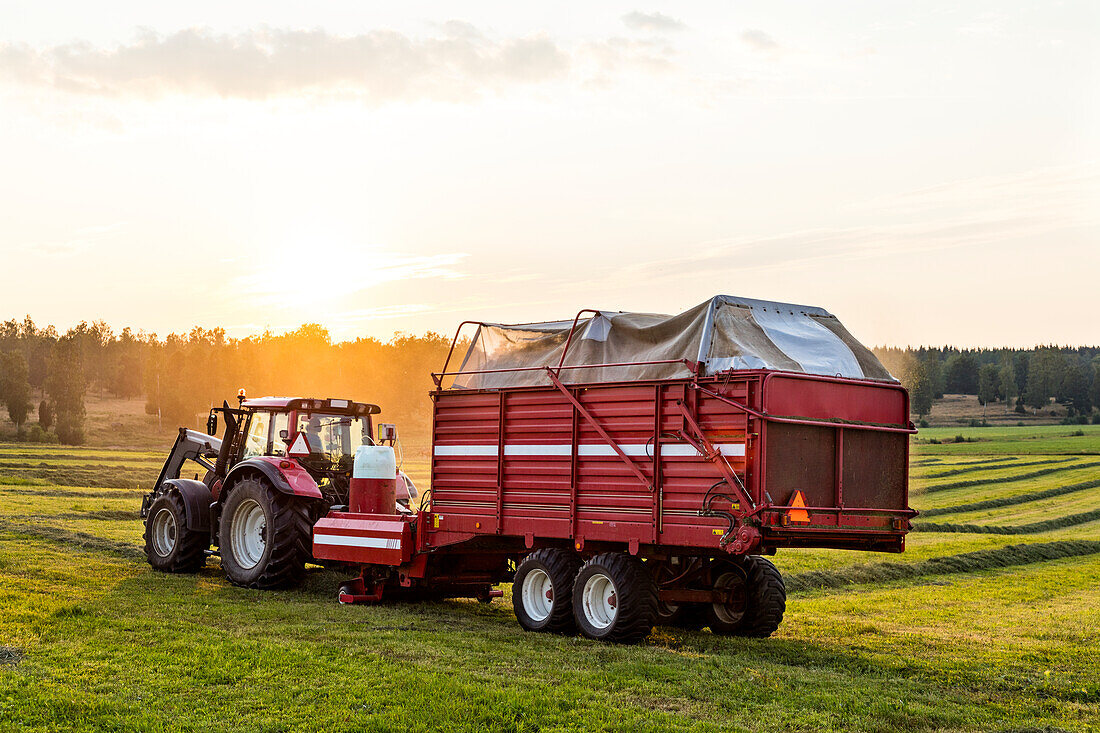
(264,536)
(169,545)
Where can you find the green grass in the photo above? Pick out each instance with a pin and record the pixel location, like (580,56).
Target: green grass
(1012,500)
(964,631)
(1021,441)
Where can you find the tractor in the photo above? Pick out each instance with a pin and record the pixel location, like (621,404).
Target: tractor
(281,463)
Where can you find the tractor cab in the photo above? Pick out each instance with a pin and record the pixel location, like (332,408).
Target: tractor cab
(321,435)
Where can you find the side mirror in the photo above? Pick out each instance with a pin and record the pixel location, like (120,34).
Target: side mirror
(212,424)
(284,435)
(387,431)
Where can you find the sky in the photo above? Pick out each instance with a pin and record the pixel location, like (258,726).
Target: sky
(928,172)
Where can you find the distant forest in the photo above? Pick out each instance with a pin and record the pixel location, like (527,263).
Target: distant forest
(1021,378)
(181,376)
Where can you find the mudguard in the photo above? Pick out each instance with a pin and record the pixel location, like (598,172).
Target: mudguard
(285,475)
(196,501)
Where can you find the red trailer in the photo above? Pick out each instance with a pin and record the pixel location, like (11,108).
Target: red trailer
(616,492)
(620,469)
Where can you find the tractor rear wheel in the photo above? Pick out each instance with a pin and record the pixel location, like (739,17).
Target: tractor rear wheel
(758,599)
(615,599)
(169,545)
(264,536)
(542,594)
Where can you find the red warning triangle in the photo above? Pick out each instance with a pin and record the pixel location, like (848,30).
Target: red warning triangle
(797,514)
(300,447)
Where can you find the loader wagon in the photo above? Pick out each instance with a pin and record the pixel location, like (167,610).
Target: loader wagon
(628,469)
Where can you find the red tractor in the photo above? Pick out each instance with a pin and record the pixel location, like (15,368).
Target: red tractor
(280,465)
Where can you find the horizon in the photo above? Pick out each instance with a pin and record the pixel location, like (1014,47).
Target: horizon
(421,334)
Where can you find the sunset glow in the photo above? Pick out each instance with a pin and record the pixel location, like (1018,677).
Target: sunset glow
(922,172)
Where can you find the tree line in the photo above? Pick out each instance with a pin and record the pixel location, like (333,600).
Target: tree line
(1020,378)
(183,375)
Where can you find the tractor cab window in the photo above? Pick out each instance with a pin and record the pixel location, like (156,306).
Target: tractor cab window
(335,436)
(255,441)
(278,424)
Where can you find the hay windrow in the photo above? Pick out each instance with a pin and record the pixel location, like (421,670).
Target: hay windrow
(1001,480)
(1047,525)
(985,467)
(1011,500)
(71,538)
(967,562)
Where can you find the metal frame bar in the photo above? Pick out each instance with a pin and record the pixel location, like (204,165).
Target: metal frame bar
(438,376)
(569,340)
(747,505)
(599,429)
(798,420)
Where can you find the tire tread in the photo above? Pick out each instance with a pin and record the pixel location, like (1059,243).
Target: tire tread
(637,593)
(562,567)
(191,545)
(767,598)
(286,564)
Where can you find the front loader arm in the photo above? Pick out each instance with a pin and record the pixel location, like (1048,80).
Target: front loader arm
(190,445)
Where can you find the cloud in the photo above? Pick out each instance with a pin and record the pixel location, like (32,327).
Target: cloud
(456,64)
(652,22)
(616,55)
(758,40)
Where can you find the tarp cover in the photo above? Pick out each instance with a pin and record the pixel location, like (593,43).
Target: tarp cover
(726,332)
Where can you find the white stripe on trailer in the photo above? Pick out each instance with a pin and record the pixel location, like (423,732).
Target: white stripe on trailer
(465,450)
(347,540)
(594,450)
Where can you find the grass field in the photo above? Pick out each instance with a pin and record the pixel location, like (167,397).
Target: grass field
(967,630)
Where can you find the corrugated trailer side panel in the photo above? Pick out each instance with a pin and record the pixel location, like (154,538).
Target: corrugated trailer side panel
(549,490)
(464,461)
(538,428)
(526,463)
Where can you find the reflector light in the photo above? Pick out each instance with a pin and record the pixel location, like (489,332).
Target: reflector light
(795,514)
(300,447)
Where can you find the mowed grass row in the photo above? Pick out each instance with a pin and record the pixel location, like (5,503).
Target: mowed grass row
(101,642)
(1002,475)
(1035,510)
(1011,486)
(1028,441)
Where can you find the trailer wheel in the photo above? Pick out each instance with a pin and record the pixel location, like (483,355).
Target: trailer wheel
(668,614)
(265,536)
(767,598)
(615,599)
(169,545)
(759,599)
(542,594)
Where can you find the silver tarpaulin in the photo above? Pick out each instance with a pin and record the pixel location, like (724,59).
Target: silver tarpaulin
(724,333)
